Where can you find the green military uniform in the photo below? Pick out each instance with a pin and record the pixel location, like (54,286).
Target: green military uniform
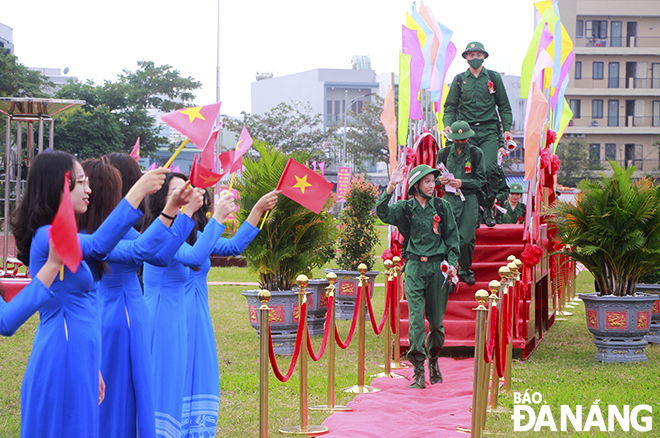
(470,99)
(512,215)
(468,166)
(427,290)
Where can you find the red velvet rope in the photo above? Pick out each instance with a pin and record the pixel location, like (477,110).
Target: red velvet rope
(296,352)
(341,344)
(393,290)
(378,330)
(490,342)
(509,318)
(501,339)
(516,310)
(326,331)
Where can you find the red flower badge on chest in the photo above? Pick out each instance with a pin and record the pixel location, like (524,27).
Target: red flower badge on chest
(436,221)
(491,87)
(468,167)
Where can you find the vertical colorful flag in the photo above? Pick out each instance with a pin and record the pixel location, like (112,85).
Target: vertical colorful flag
(304,186)
(547,20)
(411,47)
(196,123)
(135,153)
(534,129)
(202,178)
(426,44)
(388,119)
(564,120)
(404,97)
(64,231)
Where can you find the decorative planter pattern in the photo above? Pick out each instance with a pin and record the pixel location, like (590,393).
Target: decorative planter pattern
(654,334)
(619,325)
(285,314)
(347,286)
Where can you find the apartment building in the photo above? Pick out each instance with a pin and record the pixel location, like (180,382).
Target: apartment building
(615,83)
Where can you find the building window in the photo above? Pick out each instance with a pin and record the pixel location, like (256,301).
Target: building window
(617,28)
(598,29)
(656,113)
(575,107)
(610,151)
(594,152)
(612,113)
(579,29)
(328,107)
(578,69)
(613,75)
(598,70)
(597,109)
(655,75)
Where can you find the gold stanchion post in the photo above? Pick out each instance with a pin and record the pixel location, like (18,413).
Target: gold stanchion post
(494,287)
(264,298)
(386,328)
(330,319)
(304,428)
(481,296)
(361,388)
(396,364)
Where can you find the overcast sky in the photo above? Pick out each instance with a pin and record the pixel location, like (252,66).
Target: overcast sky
(97,40)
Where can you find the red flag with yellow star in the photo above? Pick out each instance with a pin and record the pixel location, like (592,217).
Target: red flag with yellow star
(202,178)
(196,123)
(304,186)
(64,231)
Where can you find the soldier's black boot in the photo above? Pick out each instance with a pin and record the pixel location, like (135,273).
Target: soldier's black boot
(418,379)
(435,376)
(489,218)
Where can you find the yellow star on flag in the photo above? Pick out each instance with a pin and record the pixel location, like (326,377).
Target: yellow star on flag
(193,113)
(301,183)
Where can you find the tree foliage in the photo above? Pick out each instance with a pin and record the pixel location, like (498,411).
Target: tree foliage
(125,103)
(89,134)
(16,80)
(288,128)
(357,229)
(366,139)
(614,229)
(576,163)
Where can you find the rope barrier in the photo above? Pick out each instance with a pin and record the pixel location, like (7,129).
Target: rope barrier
(500,346)
(326,331)
(490,346)
(393,290)
(377,330)
(271,351)
(345,345)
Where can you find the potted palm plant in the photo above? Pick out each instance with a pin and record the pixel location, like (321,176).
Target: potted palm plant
(650,283)
(614,231)
(357,240)
(293,241)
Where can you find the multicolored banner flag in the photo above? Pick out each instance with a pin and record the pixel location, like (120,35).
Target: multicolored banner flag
(64,231)
(304,186)
(196,123)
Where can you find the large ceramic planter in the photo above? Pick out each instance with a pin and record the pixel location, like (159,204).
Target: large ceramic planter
(347,286)
(619,325)
(654,334)
(285,314)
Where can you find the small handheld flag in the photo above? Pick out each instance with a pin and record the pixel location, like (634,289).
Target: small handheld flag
(196,123)
(64,231)
(202,178)
(135,153)
(304,186)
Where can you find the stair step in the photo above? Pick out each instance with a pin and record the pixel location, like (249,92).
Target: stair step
(502,234)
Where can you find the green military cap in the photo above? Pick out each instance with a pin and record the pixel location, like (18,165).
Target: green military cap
(516,187)
(418,173)
(460,130)
(474,46)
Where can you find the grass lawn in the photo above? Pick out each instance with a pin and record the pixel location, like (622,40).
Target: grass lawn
(562,369)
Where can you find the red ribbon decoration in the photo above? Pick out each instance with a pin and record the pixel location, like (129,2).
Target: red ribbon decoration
(436,221)
(341,344)
(532,254)
(296,352)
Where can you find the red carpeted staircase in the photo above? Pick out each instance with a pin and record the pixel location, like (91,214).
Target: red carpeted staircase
(493,247)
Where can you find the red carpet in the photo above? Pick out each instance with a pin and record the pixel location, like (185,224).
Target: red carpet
(397,411)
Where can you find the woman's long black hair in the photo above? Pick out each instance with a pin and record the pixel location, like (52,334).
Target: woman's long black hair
(130,172)
(155,203)
(41,198)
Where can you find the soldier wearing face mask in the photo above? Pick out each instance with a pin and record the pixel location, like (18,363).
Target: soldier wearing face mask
(477,96)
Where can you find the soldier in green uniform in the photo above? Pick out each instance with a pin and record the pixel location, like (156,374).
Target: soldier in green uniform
(465,178)
(515,210)
(477,96)
(431,235)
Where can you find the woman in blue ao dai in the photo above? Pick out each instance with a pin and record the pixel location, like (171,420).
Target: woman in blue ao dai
(202,383)
(60,391)
(164,295)
(127,410)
